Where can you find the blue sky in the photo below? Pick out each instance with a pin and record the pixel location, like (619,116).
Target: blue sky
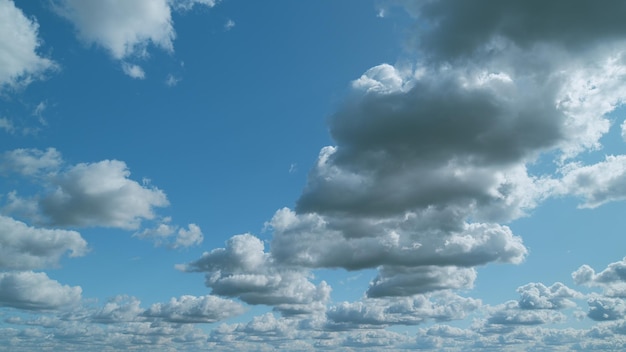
(184,175)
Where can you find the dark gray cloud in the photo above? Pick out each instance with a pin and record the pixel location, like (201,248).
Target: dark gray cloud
(453,29)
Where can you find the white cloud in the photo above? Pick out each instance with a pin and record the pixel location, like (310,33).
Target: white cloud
(186,5)
(35,291)
(30,162)
(124,28)
(19,61)
(510,314)
(162,233)
(443,306)
(190,309)
(244,270)
(24,247)
(597,184)
(540,296)
(606,308)
(190,237)
(118,309)
(134,71)
(612,279)
(100,194)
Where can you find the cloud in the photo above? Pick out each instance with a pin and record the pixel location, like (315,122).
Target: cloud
(443,306)
(7,125)
(123,28)
(244,270)
(407,281)
(230,24)
(428,237)
(23,247)
(612,279)
(118,309)
(186,5)
(190,237)
(36,292)
(190,309)
(134,71)
(30,162)
(455,29)
(606,308)
(598,183)
(162,233)
(510,314)
(100,194)
(540,296)
(19,61)
(172,80)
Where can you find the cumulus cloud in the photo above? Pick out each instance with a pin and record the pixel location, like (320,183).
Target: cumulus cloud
(443,306)
(100,194)
(24,247)
(598,183)
(162,234)
(510,314)
(30,162)
(406,281)
(612,279)
(191,309)
(429,237)
(539,296)
(606,308)
(119,309)
(123,28)
(35,291)
(243,269)
(19,61)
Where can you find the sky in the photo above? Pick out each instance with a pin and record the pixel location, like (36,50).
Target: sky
(354,175)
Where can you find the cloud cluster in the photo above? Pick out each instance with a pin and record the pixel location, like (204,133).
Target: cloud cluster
(244,270)
(442,306)
(19,41)
(87,195)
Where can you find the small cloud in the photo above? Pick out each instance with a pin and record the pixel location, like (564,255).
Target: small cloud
(293,168)
(7,125)
(133,71)
(171,80)
(229,25)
